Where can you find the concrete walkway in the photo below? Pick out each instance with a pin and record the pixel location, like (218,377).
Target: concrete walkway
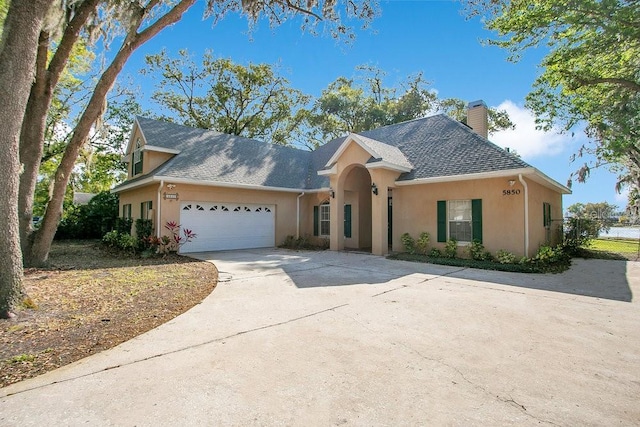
(325,338)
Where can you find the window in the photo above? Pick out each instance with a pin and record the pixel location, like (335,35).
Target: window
(126,211)
(325,223)
(546,215)
(137,159)
(460,220)
(145,210)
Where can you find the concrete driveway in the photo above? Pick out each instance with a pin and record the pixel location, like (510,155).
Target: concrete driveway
(325,338)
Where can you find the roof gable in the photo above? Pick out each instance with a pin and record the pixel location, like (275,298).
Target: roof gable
(380,152)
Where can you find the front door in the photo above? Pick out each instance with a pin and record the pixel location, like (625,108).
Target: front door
(390,221)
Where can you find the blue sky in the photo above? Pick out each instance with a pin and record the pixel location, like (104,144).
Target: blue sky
(432,37)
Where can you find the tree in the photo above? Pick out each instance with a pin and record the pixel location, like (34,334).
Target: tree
(140,21)
(457,108)
(18,46)
(364,103)
(590,75)
(252,101)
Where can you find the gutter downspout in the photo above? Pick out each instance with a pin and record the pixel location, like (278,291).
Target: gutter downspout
(158,209)
(298,215)
(526,214)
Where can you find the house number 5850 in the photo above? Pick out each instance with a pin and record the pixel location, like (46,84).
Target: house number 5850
(510,192)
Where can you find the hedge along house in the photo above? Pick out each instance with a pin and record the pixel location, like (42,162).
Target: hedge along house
(362,191)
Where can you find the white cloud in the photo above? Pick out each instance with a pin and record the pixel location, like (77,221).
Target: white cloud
(525,139)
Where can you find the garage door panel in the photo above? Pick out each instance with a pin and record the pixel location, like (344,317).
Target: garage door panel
(223,226)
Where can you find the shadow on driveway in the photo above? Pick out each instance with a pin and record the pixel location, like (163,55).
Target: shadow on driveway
(605,279)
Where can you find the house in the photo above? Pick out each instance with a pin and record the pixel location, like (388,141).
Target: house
(362,191)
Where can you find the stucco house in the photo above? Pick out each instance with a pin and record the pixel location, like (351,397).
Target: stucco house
(362,191)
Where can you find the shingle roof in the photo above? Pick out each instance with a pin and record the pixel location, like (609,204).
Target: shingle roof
(440,146)
(432,147)
(213,156)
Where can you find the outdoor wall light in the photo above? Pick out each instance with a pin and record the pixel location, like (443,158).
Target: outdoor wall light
(332,193)
(374,188)
(171,186)
(512,182)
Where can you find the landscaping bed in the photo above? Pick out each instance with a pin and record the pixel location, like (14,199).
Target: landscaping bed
(89,299)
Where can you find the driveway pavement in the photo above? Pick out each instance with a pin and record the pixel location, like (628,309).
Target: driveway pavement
(326,338)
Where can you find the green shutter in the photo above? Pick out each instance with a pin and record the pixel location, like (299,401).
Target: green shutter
(316,220)
(347,221)
(546,214)
(442,220)
(476,219)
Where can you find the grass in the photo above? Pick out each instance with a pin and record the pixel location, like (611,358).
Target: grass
(615,245)
(612,249)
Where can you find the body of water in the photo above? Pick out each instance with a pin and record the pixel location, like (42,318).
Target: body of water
(624,232)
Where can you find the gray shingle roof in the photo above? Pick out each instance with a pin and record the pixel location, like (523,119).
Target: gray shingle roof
(432,147)
(440,146)
(213,156)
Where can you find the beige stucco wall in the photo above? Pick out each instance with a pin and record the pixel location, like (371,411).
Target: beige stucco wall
(135,197)
(285,202)
(503,219)
(538,234)
(415,211)
(150,159)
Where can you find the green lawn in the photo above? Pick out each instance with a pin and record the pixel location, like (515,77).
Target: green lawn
(615,245)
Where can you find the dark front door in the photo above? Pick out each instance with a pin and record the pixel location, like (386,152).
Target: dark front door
(390,221)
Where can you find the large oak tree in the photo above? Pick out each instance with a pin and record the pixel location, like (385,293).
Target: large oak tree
(590,75)
(18,47)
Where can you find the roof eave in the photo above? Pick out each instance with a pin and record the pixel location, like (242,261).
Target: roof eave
(388,165)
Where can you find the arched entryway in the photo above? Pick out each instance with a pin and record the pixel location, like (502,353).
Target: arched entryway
(357,208)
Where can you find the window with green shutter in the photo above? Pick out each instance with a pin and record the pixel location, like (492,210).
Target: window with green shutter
(460,220)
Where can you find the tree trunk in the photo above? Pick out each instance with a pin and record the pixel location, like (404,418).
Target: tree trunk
(17,57)
(35,119)
(40,245)
(31,139)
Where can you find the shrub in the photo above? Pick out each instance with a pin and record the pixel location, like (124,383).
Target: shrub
(120,241)
(408,243)
(476,251)
(451,248)
(435,253)
(579,232)
(421,243)
(144,230)
(304,242)
(123,225)
(90,221)
(505,257)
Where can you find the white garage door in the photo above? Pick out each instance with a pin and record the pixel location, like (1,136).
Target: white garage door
(222,226)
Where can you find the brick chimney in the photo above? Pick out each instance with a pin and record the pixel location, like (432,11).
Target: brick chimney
(477,118)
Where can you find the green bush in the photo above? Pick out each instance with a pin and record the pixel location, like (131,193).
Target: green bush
(477,251)
(451,248)
(422,243)
(505,257)
(123,225)
(90,221)
(144,230)
(435,253)
(120,241)
(408,243)
(578,233)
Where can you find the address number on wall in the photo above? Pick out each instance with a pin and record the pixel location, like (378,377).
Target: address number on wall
(510,192)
